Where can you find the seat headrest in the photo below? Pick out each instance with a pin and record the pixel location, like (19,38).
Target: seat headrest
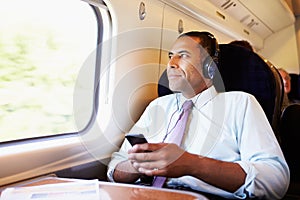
(163,85)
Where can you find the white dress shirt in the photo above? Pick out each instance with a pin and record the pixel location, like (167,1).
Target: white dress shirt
(228,126)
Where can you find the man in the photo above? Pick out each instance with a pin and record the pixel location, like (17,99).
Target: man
(228,148)
(286,85)
(286,80)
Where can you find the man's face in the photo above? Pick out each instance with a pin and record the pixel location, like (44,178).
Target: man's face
(286,81)
(185,67)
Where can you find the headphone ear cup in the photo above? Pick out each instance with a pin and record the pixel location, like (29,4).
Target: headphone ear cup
(209,67)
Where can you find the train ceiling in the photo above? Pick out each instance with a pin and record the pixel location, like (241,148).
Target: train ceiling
(254,15)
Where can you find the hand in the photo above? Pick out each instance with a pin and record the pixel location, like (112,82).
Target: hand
(164,159)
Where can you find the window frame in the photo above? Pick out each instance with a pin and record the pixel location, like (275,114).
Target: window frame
(31,157)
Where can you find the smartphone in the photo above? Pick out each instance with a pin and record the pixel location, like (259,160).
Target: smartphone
(136,139)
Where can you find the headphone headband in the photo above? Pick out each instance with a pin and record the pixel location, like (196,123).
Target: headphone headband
(214,46)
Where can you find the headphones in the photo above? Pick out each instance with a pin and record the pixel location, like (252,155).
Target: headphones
(211,61)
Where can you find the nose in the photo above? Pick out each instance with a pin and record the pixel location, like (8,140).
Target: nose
(284,82)
(173,62)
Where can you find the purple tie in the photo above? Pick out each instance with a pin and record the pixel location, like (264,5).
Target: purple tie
(176,136)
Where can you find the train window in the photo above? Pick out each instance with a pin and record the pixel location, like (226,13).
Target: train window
(43,46)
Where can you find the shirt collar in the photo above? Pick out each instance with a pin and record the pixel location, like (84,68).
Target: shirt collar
(200,99)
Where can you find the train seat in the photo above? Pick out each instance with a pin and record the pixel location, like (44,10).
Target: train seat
(244,70)
(163,85)
(294,94)
(289,128)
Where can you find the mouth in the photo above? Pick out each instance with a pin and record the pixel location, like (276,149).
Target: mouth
(174,76)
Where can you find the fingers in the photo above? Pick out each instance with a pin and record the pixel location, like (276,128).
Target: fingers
(146,147)
(149,165)
(163,156)
(145,168)
(151,152)
(152,172)
(147,152)
(146,158)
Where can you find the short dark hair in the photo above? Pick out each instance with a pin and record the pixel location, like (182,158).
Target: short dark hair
(206,40)
(242,43)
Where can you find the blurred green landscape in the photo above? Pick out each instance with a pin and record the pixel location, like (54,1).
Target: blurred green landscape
(41,54)
(36,93)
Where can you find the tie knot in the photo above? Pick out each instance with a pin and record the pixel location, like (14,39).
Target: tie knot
(187,105)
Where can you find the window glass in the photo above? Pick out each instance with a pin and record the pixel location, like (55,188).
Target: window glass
(43,45)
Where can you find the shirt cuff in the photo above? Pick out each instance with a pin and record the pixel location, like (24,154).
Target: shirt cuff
(110,174)
(246,190)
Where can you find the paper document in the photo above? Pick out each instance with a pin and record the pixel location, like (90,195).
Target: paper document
(79,190)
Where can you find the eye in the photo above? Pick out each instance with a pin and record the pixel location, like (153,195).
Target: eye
(183,55)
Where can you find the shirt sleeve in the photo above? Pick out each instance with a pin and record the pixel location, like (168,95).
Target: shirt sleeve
(142,126)
(117,157)
(261,156)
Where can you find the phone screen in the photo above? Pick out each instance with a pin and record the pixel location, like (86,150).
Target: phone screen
(136,139)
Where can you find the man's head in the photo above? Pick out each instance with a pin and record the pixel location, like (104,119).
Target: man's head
(286,80)
(192,63)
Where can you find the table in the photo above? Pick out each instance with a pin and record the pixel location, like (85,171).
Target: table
(117,191)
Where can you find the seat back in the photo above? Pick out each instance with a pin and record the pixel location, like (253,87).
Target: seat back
(290,139)
(163,85)
(294,94)
(244,70)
